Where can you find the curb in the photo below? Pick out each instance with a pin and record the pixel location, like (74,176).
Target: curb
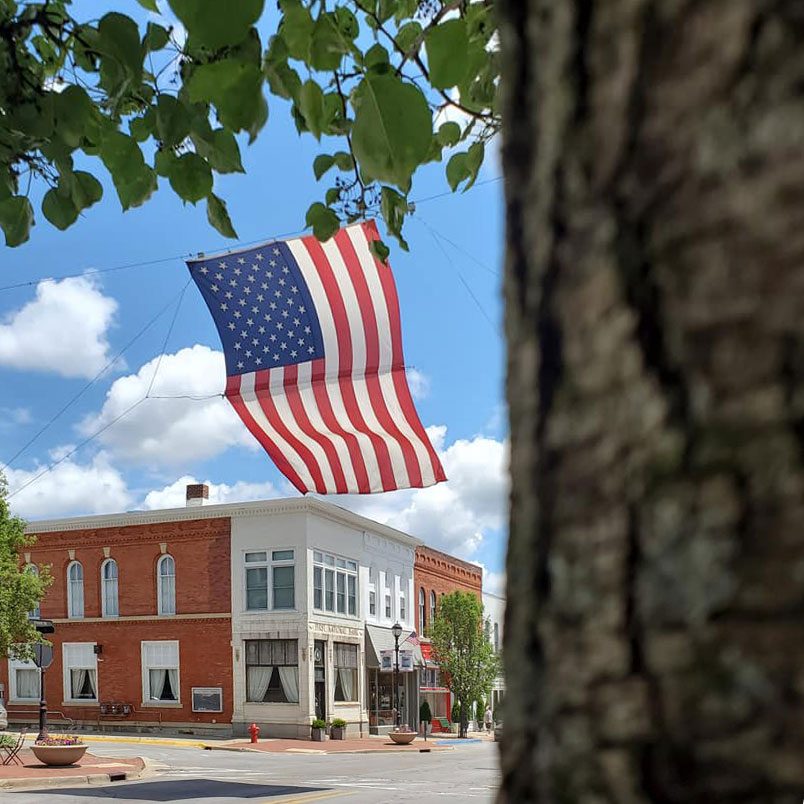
(318,751)
(114,738)
(21,783)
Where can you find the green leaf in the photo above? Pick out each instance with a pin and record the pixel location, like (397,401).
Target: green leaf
(120,42)
(347,22)
(392,129)
(172,120)
(311,106)
(332,195)
(447,47)
(74,111)
(220,149)
(379,250)
(474,160)
(344,161)
(59,209)
(191,178)
(86,190)
(164,160)
(457,170)
(16,219)
(408,35)
(465,166)
(323,220)
(296,30)
(156,37)
(234,87)
(215,25)
(449,134)
(143,127)
(394,207)
(283,80)
(133,179)
(150,5)
(328,43)
(218,216)
(377,59)
(321,164)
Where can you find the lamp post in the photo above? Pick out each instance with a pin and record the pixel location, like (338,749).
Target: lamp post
(396,630)
(43,658)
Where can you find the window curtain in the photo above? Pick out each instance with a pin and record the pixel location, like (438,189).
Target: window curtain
(27,684)
(347,679)
(83,683)
(289,676)
(173,675)
(156,680)
(76,598)
(168,593)
(258,680)
(110,597)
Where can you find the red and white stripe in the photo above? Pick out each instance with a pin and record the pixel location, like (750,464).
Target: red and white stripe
(344,423)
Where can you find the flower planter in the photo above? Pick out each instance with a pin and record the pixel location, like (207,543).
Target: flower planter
(337,732)
(318,735)
(402,737)
(58,754)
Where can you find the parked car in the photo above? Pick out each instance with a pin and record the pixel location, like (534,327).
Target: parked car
(498,731)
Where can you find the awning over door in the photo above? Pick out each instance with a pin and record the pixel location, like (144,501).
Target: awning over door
(379,639)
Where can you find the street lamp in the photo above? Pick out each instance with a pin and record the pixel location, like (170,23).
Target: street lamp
(396,630)
(43,658)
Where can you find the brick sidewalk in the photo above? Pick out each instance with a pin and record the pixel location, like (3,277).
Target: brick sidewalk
(358,746)
(32,771)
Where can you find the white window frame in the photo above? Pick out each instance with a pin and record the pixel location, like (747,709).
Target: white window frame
(104,581)
(433,604)
(340,567)
(403,607)
(67,680)
(269,563)
(372,593)
(71,613)
(13,666)
(35,613)
(146,674)
(159,580)
(422,609)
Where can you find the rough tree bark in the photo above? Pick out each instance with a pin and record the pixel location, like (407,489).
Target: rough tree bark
(654,161)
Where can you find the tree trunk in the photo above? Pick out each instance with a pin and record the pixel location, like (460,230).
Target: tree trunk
(654,161)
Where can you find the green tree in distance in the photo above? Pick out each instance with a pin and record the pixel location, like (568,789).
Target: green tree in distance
(462,650)
(370,79)
(20,589)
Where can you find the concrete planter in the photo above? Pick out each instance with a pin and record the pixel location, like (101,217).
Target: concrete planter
(318,735)
(337,732)
(58,755)
(403,737)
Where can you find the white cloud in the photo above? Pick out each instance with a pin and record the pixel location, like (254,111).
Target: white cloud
(69,488)
(493,582)
(455,516)
(10,417)
(63,330)
(174,495)
(418,382)
(168,432)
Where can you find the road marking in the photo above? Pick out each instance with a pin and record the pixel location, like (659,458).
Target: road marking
(303,799)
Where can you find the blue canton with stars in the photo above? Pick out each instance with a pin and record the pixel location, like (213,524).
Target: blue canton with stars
(262,308)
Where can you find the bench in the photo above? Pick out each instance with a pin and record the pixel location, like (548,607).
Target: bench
(442,723)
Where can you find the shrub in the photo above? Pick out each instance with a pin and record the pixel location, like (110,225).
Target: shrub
(425,715)
(456,712)
(319,724)
(338,723)
(8,740)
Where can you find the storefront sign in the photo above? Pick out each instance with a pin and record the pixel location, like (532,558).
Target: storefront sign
(387,658)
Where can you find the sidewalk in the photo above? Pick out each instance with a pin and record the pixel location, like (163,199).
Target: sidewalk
(368,745)
(89,769)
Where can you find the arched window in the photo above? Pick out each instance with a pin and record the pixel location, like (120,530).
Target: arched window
(35,613)
(432,606)
(422,609)
(166,585)
(109,606)
(75,589)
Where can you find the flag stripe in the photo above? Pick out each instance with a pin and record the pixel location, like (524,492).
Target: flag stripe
(326,377)
(400,381)
(260,430)
(374,356)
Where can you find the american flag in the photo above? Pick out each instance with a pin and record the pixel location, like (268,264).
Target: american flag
(313,345)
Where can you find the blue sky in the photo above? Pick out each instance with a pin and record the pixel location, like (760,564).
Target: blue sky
(54,337)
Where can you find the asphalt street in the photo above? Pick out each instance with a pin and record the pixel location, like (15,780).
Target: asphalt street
(469,772)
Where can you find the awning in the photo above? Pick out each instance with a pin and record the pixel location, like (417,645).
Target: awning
(379,639)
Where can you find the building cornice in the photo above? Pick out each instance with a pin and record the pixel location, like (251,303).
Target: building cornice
(309,505)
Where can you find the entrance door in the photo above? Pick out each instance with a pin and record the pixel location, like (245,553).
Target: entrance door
(320,689)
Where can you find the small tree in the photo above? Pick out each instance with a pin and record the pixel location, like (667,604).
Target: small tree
(463,651)
(20,590)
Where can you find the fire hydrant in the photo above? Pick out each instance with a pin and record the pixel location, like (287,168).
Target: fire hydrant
(254,731)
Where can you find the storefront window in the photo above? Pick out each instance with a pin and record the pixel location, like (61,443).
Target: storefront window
(345,672)
(272,671)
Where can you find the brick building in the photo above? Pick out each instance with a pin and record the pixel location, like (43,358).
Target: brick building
(436,574)
(142,616)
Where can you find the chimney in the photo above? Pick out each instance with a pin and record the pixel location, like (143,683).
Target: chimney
(197,493)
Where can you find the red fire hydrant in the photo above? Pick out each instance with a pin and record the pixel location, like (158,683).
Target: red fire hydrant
(254,731)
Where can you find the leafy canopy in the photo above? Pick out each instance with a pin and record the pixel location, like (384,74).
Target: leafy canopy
(20,589)
(374,81)
(462,649)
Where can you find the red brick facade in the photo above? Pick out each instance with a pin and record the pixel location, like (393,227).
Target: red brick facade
(202,623)
(438,573)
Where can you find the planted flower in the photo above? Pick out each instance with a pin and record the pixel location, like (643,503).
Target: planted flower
(55,739)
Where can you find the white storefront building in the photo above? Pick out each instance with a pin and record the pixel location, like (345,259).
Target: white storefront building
(307,579)
(494,616)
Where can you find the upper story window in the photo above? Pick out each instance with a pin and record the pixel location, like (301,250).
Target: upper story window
(36,612)
(75,589)
(403,609)
(496,637)
(432,606)
(166,585)
(422,609)
(278,566)
(334,584)
(109,605)
(372,592)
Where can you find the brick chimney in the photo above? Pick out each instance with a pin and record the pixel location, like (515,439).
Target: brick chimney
(197,493)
